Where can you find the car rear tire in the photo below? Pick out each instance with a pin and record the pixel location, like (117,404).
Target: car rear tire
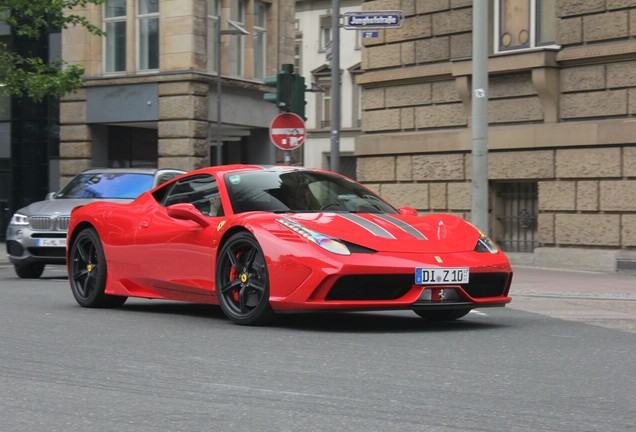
(442,315)
(242,281)
(29,271)
(88,271)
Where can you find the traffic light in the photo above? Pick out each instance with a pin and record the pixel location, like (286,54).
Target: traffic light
(283,82)
(298,96)
(290,91)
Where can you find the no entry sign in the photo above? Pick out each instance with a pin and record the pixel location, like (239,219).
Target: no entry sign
(287,131)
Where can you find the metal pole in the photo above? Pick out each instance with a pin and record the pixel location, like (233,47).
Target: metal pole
(219,154)
(335,86)
(479,209)
(235,29)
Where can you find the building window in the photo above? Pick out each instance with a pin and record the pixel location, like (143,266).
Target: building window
(130,147)
(325,32)
(356,96)
(516,208)
(213,22)
(260,39)
(237,14)
(148,34)
(322,81)
(523,25)
(298,48)
(115,40)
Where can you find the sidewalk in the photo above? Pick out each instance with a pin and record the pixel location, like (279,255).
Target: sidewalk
(540,282)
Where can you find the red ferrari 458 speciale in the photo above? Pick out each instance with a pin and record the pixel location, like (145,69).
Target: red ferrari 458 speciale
(261,240)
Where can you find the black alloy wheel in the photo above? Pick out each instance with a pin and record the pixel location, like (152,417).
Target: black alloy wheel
(87,272)
(242,281)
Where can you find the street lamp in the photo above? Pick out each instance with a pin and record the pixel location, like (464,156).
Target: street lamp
(235,30)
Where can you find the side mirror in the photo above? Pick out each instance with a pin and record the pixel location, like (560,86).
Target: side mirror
(407,211)
(186,211)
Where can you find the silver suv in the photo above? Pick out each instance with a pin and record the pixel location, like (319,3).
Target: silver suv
(36,235)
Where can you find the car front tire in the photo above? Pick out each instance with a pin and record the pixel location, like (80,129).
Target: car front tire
(242,281)
(29,271)
(88,271)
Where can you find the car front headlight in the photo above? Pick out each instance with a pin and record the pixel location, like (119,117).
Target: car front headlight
(485,244)
(19,219)
(327,243)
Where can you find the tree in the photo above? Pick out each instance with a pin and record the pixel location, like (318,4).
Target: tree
(25,74)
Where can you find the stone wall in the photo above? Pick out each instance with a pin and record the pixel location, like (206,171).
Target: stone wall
(561,117)
(183,129)
(585,200)
(75,137)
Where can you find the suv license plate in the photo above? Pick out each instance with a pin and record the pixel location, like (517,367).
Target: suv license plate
(51,242)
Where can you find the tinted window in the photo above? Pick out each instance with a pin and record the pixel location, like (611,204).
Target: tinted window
(200,191)
(300,191)
(107,185)
(164,177)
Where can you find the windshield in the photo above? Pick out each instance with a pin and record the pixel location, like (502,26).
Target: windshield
(300,191)
(107,185)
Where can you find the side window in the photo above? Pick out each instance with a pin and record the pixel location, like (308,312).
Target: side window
(200,191)
(164,177)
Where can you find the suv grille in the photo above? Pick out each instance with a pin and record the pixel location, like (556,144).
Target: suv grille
(47,223)
(41,222)
(63,222)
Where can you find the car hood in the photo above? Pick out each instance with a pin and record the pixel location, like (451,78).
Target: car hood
(393,232)
(59,206)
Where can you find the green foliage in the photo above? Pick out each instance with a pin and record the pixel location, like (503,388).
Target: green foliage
(31,19)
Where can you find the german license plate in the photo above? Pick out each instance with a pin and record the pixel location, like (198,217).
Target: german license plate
(51,242)
(441,276)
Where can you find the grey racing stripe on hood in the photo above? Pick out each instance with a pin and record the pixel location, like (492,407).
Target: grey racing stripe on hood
(373,228)
(402,225)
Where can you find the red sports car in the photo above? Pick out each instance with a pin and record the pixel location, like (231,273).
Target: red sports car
(261,240)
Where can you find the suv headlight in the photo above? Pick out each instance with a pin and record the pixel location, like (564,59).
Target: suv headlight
(19,219)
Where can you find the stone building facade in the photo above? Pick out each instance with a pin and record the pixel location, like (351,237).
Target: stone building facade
(562,123)
(150,94)
(313,37)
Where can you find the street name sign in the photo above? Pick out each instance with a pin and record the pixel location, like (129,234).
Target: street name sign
(372,20)
(287,131)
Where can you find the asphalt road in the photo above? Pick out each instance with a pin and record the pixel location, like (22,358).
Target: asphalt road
(165,366)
